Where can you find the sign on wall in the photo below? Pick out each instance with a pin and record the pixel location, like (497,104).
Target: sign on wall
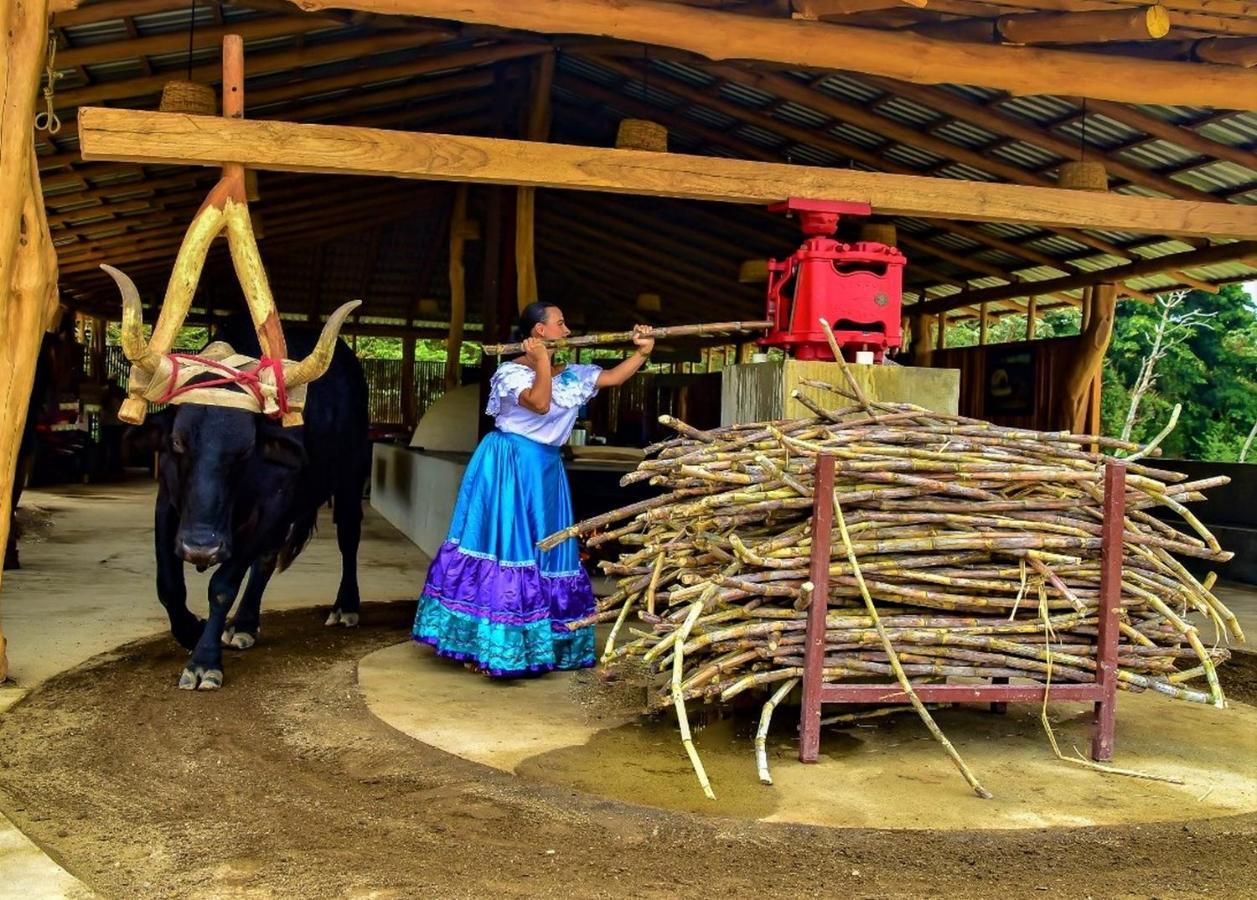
(1009,381)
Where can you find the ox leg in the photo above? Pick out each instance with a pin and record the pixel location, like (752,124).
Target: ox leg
(347,514)
(204,671)
(172,591)
(242,632)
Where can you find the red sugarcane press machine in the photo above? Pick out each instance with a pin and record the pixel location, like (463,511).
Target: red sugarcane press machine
(857,287)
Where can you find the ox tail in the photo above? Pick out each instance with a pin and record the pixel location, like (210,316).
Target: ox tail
(302,531)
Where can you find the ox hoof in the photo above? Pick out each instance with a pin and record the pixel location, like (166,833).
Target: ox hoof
(336,617)
(239,640)
(200,679)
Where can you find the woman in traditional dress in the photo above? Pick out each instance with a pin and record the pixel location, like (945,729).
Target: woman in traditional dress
(491,598)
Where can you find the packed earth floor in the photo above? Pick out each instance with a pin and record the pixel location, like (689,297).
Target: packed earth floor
(284,783)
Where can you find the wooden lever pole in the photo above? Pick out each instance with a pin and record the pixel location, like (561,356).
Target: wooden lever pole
(623,337)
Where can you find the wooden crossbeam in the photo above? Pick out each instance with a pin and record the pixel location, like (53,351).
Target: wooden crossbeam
(820,45)
(168,138)
(1135,23)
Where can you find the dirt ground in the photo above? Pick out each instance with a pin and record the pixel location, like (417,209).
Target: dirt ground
(284,785)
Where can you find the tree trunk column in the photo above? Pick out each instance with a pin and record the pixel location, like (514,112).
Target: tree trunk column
(1084,368)
(28,263)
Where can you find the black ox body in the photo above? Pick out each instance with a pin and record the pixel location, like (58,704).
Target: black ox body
(240,492)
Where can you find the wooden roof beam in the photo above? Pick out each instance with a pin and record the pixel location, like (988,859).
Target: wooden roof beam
(907,57)
(259,62)
(1001,123)
(68,14)
(1183,136)
(172,42)
(818,9)
(1139,23)
(137,136)
(1241,250)
(796,92)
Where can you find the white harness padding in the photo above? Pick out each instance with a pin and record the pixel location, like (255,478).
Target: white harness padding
(220,361)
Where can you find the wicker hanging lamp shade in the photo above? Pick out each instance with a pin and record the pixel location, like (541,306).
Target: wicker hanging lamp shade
(879,233)
(178,96)
(649,303)
(753,271)
(429,310)
(1082,175)
(641,134)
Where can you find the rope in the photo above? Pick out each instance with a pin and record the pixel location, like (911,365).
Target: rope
(47,120)
(231,376)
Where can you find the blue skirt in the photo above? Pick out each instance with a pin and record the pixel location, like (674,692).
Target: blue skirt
(491,597)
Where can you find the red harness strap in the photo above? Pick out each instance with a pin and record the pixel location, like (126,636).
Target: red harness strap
(248,380)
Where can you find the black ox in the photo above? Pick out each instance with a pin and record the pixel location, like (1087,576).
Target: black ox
(240,492)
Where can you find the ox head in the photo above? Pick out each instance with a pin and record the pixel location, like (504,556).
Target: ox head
(222,468)
(221,464)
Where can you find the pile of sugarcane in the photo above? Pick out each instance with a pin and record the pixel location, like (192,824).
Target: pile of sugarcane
(964,550)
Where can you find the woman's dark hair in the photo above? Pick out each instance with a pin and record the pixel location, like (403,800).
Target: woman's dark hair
(533,315)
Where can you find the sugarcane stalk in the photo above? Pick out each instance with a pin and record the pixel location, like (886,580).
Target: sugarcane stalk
(761,733)
(902,678)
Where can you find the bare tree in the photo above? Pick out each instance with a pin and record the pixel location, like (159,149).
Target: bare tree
(1248,442)
(1175,327)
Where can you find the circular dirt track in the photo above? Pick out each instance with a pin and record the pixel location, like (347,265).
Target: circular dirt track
(283,784)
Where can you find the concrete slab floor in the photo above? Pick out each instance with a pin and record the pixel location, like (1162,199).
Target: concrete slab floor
(554,729)
(86,586)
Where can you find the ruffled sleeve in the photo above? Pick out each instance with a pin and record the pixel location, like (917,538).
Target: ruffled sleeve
(510,380)
(575,385)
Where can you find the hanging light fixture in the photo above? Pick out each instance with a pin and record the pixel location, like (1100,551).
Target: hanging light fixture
(180,96)
(642,134)
(1082,174)
(753,271)
(879,233)
(429,310)
(649,303)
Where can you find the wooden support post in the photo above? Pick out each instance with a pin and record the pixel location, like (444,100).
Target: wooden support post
(458,287)
(498,286)
(409,411)
(1032,315)
(1093,407)
(536,129)
(983,315)
(99,325)
(1070,413)
(942,332)
(818,574)
(28,262)
(1112,533)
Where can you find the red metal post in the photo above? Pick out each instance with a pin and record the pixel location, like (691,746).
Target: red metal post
(814,649)
(1113,528)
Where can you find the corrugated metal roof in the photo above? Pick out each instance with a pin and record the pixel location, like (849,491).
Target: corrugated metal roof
(854,134)
(1062,117)
(847,87)
(965,134)
(1025,155)
(914,157)
(908,112)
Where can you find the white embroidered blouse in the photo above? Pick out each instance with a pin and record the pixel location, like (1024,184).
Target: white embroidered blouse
(570,388)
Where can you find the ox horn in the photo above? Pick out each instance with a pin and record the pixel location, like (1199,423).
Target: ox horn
(133,343)
(314,365)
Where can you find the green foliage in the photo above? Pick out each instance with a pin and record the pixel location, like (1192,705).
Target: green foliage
(1213,375)
(1012,328)
(190,337)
